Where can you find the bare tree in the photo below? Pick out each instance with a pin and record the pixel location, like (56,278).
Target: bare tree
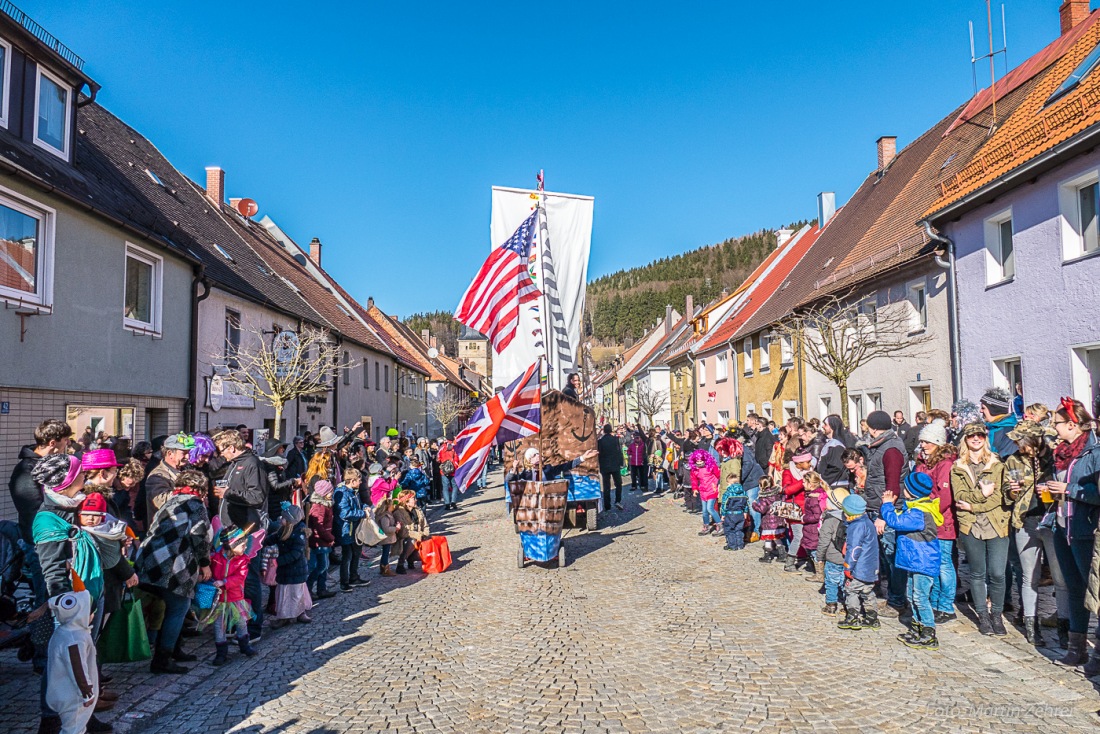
(839,335)
(649,402)
(447,407)
(281,368)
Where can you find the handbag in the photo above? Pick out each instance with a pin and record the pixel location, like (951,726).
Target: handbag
(206,595)
(787,511)
(368,532)
(124,638)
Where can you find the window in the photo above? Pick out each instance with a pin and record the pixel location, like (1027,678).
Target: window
(26,251)
(377,380)
(702,372)
(824,405)
(874,401)
(386,377)
(918,307)
(346,368)
(750,408)
(232,338)
(766,410)
(855,409)
(746,348)
(1079,200)
(366,373)
(1000,261)
(721,367)
(867,317)
(144,271)
(51,114)
(5,80)
(786,351)
(724,417)
(1007,372)
(1082,70)
(765,351)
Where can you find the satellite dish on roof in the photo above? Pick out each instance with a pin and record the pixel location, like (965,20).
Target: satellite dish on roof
(247,208)
(433,352)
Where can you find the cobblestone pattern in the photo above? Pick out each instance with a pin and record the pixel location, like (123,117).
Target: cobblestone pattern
(648,629)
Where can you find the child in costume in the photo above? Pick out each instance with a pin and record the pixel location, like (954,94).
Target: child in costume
(73,685)
(229,569)
(734,500)
(292,599)
(773,529)
(704,480)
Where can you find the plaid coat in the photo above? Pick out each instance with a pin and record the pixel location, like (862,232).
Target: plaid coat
(176,546)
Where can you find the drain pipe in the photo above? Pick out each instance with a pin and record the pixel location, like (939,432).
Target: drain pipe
(190,406)
(946,260)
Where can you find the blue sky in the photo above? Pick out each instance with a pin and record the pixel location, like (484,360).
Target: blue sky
(380,127)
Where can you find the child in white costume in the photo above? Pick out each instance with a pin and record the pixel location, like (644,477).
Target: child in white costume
(73,686)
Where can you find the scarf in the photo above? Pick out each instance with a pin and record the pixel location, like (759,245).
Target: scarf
(69,503)
(1065,453)
(795,472)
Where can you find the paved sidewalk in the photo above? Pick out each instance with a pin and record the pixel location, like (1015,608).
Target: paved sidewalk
(649,629)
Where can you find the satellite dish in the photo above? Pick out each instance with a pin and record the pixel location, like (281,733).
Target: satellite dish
(433,353)
(247,208)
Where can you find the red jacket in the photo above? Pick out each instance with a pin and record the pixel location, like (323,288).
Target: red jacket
(233,571)
(793,490)
(941,490)
(320,526)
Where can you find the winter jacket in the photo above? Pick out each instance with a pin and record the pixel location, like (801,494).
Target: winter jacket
(811,519)
(637,452)
(295,464)
(830,466)
(402,517)
(26,494)
(793,490)
(771,526)
(861,549)
(1032,472)
(233,570)
(751,472)
(380,489)
(763,444)
(965,487)
(729,472)
(705,482)
(610,453)
(176,546)
(349,511)
(279,490)
(159,486)
(109,538)
(918,548)
(830,538)
(293,567)
(1082,491)
(417,481)
(245,500)
(887,465)
(941,490)
(999,442)
(320,524)
(383,515)
(55,556)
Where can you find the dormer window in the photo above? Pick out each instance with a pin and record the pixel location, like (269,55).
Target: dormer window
(51,114)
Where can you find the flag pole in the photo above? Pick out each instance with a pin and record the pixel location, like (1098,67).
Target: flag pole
(544,300)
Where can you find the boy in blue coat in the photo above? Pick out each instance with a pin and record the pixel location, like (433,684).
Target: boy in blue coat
(416,480)
(861,558)
(918,552)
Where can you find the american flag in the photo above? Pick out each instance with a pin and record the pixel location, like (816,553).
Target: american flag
(509,415)
(491,304)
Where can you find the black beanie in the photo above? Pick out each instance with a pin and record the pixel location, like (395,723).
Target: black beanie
(879,420)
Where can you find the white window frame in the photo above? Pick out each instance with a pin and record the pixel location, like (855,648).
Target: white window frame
(867,317)
(5,98)
(994,271)
(702,371)
(1073,239)
(875,401)
(67,132)
(790,408)
(825,402)
(786,351)
(724,417)
(750,408)
(156,290)
(765,352)
(721,368)
(42,297)
(1082,385)
(918,317)
(746,350)
(766,411)
(1000,372)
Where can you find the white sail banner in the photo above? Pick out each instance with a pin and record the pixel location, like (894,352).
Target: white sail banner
(559,266)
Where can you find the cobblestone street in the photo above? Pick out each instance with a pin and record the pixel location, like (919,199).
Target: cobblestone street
(649,628)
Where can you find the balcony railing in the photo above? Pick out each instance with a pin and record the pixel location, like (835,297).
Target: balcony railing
(41,34)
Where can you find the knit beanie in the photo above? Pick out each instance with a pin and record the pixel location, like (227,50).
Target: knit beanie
(56,472)
(918,484)
(94,504)
(854,505)
(879,420)
(322,488)
(997,401)
(934,433)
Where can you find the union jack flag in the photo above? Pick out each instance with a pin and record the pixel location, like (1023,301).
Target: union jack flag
(491,304)
(510,415)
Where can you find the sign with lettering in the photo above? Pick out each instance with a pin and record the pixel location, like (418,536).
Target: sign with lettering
(223,393)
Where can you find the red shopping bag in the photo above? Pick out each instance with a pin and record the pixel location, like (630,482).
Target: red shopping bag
(435,554)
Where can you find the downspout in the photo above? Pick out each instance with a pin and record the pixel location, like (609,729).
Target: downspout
(801,380)
(694,390)
(736,383)
(337,379)
(190,405)
(952,301)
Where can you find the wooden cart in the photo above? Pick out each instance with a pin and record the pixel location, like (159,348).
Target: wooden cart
(538,509)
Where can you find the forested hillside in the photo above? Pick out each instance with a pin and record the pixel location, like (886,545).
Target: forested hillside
(622,305)
(442,326)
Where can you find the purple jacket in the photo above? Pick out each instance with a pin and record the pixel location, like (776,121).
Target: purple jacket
(768,521)
(636,452)
(811,520)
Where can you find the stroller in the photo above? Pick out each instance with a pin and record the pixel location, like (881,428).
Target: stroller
(16,594)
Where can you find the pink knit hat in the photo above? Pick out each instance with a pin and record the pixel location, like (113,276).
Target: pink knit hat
(802,456)
(98,459)
(322,488)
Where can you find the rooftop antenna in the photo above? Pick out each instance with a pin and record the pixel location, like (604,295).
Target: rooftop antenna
(992,55)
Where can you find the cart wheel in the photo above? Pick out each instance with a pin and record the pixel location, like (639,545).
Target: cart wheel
(590,518)
(519,557)
(561,557)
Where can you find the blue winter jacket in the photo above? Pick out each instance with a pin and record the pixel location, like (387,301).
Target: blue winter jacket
(1083,492)
(349,511)
(417,481)
(292,568)
(861,550)
(918,548)
(751,471)
(999,441)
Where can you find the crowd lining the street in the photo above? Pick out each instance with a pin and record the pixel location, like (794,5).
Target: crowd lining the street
(880,522)
(194,527)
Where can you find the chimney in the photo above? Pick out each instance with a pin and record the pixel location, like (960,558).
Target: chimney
(426,336)
(370,302)
(215,184)
(826,207)
(315,251)
(1072,13)
(689,306)
(887,150)
(668,318)
(781,237)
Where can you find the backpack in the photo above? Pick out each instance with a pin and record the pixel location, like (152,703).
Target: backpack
(448,468)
